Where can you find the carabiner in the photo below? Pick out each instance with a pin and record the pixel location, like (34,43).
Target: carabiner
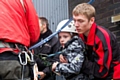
(20,58)
(31,56)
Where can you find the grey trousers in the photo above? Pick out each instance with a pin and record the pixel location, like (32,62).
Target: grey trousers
(10,68)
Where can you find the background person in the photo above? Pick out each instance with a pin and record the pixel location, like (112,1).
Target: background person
(48,48)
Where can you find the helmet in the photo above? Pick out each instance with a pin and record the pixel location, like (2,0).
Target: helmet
(69,28)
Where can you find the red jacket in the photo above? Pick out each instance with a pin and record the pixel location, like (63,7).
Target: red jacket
(16,25)
(103,53)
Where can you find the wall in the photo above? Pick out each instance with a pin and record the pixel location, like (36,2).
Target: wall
(53,10)
(105,9)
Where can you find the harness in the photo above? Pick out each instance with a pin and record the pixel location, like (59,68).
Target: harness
(25,56)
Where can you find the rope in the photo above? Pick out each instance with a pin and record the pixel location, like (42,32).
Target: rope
(91,1)
(49,37)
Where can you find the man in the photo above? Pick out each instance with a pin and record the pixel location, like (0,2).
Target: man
(103,53)
(19,29)
(48,48)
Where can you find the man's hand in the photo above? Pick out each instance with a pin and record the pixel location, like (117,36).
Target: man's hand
(62,59)
(42,75)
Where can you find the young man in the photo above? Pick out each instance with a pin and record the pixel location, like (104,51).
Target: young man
(48,48)
(19,28)
(103,53)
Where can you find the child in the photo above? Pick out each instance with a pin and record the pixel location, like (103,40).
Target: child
(73,53)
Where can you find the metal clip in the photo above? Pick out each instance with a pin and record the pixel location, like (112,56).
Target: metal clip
(30,58)
(20,58)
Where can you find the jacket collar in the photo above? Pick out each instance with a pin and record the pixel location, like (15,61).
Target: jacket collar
(91,36)
(44,35)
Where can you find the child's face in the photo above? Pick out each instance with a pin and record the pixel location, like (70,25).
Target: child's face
(64,37)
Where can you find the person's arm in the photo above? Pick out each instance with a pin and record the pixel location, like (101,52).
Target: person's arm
(101,65)
(47,71)
(43,70)
(32,21)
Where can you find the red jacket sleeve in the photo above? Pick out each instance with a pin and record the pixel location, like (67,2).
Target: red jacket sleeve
(104,53)
(32,22)
(100,66)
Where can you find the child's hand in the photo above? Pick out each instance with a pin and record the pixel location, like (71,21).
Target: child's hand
(62,59)
(54,66)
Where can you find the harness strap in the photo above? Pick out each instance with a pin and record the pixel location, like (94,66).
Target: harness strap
(8,46)
(28,59)
(4,45)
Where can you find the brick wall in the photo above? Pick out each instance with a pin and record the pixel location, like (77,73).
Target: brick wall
(105,9)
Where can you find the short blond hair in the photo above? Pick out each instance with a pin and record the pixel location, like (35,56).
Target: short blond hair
(84,9)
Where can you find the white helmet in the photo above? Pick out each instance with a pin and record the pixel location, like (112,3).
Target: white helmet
(69,28)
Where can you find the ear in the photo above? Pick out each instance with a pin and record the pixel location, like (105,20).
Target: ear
(44,25)
(92,20)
